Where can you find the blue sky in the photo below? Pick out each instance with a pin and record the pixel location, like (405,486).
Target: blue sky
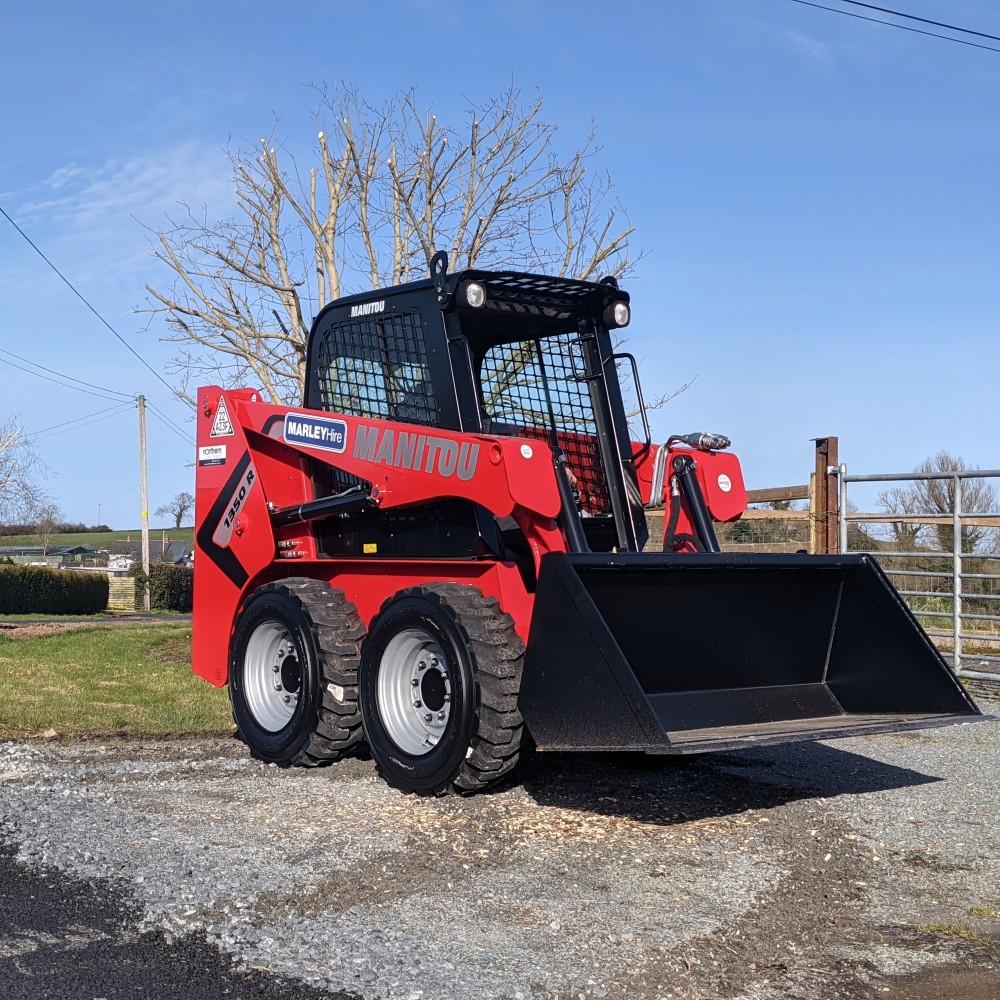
(817,196)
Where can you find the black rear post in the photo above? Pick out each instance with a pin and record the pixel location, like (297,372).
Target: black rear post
(611,425)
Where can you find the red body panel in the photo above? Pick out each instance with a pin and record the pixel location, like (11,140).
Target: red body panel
(721,480)
(252,457)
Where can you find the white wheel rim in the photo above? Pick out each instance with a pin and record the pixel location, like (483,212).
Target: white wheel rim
(272,676)
(414,692)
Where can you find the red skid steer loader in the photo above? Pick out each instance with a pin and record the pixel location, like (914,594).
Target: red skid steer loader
(441,551)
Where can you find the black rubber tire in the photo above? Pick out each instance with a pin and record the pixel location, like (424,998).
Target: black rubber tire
(483,658)
(326,632)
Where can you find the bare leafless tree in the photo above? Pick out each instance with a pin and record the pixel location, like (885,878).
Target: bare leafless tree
(937,497)
(47,520)
(388,186)
(178,508)
(20,473)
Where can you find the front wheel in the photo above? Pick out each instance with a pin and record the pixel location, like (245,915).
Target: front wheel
(293,673)
(440,675)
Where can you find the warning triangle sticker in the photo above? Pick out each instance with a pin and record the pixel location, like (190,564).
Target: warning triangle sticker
(223,426)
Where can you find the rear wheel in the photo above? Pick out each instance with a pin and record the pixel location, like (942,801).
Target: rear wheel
(440,675)
(293,673)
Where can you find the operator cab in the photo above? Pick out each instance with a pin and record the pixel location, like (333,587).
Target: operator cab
(492,352)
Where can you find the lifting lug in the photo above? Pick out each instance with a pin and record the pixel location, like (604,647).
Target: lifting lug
(439,271)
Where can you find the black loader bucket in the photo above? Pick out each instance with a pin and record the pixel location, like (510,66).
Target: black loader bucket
(686,653)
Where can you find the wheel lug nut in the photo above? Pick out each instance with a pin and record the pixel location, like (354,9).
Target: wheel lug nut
(418,704)
(434,661)
(415,682)
(276,668)
(428,717)
(441,716)
(421,665)
(288,698)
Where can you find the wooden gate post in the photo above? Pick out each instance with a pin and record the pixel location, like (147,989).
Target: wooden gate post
(825,500)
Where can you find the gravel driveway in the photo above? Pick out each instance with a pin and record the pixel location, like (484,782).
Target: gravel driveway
(856,868)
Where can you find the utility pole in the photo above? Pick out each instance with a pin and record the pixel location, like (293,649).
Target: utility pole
(145,499)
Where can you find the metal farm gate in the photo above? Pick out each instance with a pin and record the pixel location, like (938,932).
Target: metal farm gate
(946,565)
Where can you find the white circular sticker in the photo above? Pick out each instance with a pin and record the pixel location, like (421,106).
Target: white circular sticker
(725,483)
(526,451)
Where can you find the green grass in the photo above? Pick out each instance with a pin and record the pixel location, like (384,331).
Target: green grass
(959,932)
(106,681)
(103,539)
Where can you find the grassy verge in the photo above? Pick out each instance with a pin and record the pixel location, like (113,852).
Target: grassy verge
(106,681)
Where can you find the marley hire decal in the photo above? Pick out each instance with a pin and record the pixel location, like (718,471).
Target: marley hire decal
(418,452)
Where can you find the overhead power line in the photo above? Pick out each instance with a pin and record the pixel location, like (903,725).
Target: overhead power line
(80,296)
(86,416)
(904,27)
(923,20)
(160,415)
(72,425)
(62,379)
(99,395)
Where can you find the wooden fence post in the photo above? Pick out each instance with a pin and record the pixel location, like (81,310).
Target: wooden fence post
(824,501)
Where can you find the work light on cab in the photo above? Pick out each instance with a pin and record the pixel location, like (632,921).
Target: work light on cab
(617,314)
(473,294)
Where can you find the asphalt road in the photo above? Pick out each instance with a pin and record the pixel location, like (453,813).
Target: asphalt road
(63,939)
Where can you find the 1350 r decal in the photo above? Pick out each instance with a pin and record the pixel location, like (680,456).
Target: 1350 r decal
(216,530)
(241,495)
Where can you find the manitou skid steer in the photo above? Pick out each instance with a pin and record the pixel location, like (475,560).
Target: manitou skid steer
(441,551)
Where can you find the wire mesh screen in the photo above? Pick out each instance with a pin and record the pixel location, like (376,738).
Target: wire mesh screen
(375,367)
(535,390)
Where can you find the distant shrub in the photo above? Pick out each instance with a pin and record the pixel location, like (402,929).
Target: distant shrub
(27,590)
(171,588)
(79,528)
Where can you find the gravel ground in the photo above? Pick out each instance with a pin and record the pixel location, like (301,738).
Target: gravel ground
(855,868)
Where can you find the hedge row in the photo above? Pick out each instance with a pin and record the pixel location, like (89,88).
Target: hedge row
(66,528)
(28,590)
(171,588)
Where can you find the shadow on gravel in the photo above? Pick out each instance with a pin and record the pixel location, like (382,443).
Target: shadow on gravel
(669,790)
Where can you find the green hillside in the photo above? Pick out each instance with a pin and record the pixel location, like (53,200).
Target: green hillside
(103,539)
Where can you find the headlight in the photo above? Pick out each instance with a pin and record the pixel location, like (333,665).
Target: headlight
(472,294)
(617,314)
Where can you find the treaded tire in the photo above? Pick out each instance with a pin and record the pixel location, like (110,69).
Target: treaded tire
(320,632)
(479,678)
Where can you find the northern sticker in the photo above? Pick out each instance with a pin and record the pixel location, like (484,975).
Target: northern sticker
(526,451)
(725,483)
(212,454)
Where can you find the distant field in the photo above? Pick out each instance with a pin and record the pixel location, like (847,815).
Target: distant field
(102,539)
